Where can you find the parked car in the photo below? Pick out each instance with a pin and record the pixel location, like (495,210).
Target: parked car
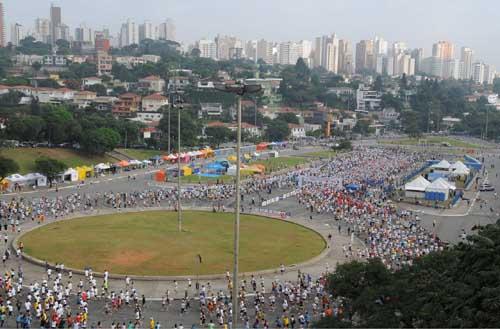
(485,187)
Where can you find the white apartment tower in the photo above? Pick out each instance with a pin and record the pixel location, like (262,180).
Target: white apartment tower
(129,34)
(466,57)
(147,31)
(166,30)
(208,48)
(16,34)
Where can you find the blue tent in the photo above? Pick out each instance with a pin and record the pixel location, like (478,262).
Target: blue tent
(353,187)
(434,175)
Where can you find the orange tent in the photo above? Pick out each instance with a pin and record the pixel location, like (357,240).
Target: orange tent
(160,176)
(123,163)
(262,146)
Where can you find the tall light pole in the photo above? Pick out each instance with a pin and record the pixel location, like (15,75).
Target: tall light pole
(178,102)
(239,89)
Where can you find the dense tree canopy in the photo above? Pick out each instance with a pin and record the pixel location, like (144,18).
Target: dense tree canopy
(49,167)
(7,167)
(277,130)
(459,287)
(100,140)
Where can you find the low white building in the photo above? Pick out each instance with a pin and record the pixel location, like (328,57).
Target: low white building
(297,131)
(152,83)
(147,117)
(87,82)
(210,110)
(153,103)
(368,99)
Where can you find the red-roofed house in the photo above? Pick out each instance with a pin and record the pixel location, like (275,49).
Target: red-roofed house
(153,103)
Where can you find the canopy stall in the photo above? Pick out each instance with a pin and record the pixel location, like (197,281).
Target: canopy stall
(262,146)
(102,167)
(186,171)
(16,179)
(70,175)
(35,179)
(84,172)
(459,169)
(416,188)
(441,166)
(439,190)
(160,176)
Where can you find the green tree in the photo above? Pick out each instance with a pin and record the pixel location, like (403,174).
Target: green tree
(378,85)
(63,47)
(297,86)
(496,86)
(277,130)
(190,128)
(49,167)
(99,89)
(7,167)
(100,140)
(29,46)
(409,122)
(288,117)
(219,135)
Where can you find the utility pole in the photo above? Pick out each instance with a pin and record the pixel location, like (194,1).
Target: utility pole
(179,207)
(239,89)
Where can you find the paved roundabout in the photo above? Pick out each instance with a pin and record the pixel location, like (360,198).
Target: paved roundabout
(147,244)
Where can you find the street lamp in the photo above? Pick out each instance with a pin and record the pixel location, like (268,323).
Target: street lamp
(177,102)
(239,89)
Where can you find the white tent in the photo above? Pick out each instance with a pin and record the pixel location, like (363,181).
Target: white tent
(16,178)
(439,187)
(416,188)
(102,167)
(36,179)
(70,175)
(135,162)
(443,165)
(459,169)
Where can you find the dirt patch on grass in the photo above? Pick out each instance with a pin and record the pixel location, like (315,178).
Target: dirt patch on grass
(130,258)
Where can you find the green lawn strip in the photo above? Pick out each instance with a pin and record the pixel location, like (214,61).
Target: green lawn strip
(140,154)
(26,157)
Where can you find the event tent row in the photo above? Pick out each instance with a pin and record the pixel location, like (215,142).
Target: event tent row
(421,188)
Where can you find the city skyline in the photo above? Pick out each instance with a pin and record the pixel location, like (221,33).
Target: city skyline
(308,24)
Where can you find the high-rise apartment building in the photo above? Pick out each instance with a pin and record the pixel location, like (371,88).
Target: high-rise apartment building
(129,34)
(466,57)
(84,34)
(381,46)
(147,31)
(418,55)
(451,69)
(166,30)
(345,57)
(332,55)
(364,55)
(208,48)
(399,47)
(265,51)
(444,50)
(224,44)
(55,22)
(3,42)
(489,74)
(42,30)
(478,72)
(16,34)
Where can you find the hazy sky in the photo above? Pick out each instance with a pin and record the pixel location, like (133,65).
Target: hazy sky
(474,23)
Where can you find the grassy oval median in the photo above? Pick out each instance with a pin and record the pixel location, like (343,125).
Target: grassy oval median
(149,244)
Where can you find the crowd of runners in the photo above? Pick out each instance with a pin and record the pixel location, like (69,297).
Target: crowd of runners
(352,188)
